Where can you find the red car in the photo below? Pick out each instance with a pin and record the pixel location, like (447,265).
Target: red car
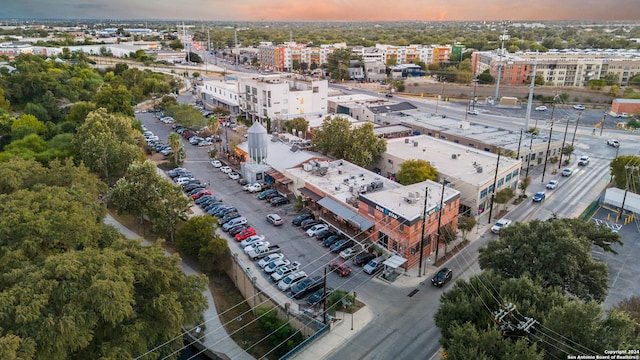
(200,194)
(339,267)
(246,233)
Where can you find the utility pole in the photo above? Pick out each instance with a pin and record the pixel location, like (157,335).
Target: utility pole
(495,181)
(444,79)
(206,62)
(519,142)
(563,140)
(439,220)
(604,117)
(546,157)
(574,134)
(424,219)
(531,87)
(237,51)
(529,157)
(503,37)
(475,84)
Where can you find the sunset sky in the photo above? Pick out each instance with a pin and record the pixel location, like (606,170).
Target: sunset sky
(347,10)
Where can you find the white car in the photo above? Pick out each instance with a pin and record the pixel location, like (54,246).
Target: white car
(269,258)
(183,180)
(541,108)
(500,224)
(225,169)
(254,245)
(349,253)
(286,283)
(552,184)
(614,143)
(215,163)
(205,143)
(578,107)
(252,188)
(234,175)
(316,228)
(583,161)
(473,112)
(250,240)
(622,115)
(274,265)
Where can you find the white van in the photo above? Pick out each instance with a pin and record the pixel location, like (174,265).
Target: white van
(374,265)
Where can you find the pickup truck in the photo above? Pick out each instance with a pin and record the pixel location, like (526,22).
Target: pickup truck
(613,143)
(262,251)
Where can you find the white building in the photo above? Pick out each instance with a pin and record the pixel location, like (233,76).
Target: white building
(220,93)
(281,97)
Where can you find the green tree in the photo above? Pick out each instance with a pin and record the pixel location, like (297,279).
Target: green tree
(614,90)
(177,151)
(107,144)
(524,184)
(187,116)
(611,79)
(114,100)
(414,171)
(539,81)
(626,172)
(199,240)
(176,44)
(503,196)
(79,112)
(299,123)
(485,77)
(465,225)
(365,146)
(333,137)
(553,253)
(5,105)
(338,64)
(25,125)
(194,57)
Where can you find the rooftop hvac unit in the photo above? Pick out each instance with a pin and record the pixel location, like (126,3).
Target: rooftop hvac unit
(406,140)
(479,169)
(415,144)
(454,156)
(307,167)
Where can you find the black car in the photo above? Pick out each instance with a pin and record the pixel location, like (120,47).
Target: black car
(263,195)
(309,223)
(279,200)
(442,277)
(305,286)
(323,234)
(196,190)
(317,296)
(341,245)
(223,212)
(228,217)
(237,229)
(190,182)
(363,258)
(298,220)
(191,186)
(331,240)
(211,206)
(207,199)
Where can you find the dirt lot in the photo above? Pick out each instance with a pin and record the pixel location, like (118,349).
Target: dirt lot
(577,95)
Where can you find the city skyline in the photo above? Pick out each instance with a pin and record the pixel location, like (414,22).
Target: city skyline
(326,10)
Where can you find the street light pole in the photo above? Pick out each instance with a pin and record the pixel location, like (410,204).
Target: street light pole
(546,157)
(424,217)
(574,134)
(444,79)
(475,84)
(495,181)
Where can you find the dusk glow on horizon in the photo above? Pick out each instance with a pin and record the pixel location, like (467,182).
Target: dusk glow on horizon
(326,10)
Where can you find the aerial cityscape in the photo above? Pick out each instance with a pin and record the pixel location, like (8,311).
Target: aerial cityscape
(362,180)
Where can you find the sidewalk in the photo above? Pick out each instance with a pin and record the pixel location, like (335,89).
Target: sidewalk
(216,338)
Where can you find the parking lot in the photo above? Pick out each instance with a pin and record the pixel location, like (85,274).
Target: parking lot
(294,243)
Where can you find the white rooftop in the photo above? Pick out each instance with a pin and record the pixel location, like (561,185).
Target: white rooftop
(439,153)
(280,156)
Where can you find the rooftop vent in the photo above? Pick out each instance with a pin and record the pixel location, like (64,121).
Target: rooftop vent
(415,144)
(406,140)
(454,156)
(479,169)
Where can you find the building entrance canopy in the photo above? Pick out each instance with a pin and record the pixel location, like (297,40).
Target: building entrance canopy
(394,262)
(344,212)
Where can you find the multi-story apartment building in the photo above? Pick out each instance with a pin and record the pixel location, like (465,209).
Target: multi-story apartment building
(281,97)
(559,68)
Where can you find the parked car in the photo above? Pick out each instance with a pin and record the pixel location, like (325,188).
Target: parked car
(340,245)
(215,163)
(236,229)
(331,240)
(566,172)
(309,223)
(279,200)
(578,107)
(315,228)
(323,234)
(272,266)
(538,197)
(301,288)
(374,265)
(349,253)
(283,271)
(263,195)
(254,245)
(363,258)
(552,184)
(500,224)
(287,281)
(339,268)
(473,112)
(442,277)
(583,161)
(200,194)
(234,175)
(225,169)
(622,115)
(274,219)
(228,217)
(318,295)
(205,143)
(269,258)
(248,232)
(541,108)
(250,240)
(300,218)
(252,188)
(235,222)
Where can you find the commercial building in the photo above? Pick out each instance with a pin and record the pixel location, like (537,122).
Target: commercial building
(629,106)
(470,171)
(560,68)
(220,93)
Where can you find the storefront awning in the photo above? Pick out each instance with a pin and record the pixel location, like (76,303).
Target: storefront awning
(310,194)
(277,176)
(394,262)
(345,213)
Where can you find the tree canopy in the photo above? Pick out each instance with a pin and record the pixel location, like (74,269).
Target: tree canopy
(414,171)
(625,170)
(554,253)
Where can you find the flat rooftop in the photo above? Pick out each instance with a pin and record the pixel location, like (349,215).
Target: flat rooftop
(280,156)
(439,153)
